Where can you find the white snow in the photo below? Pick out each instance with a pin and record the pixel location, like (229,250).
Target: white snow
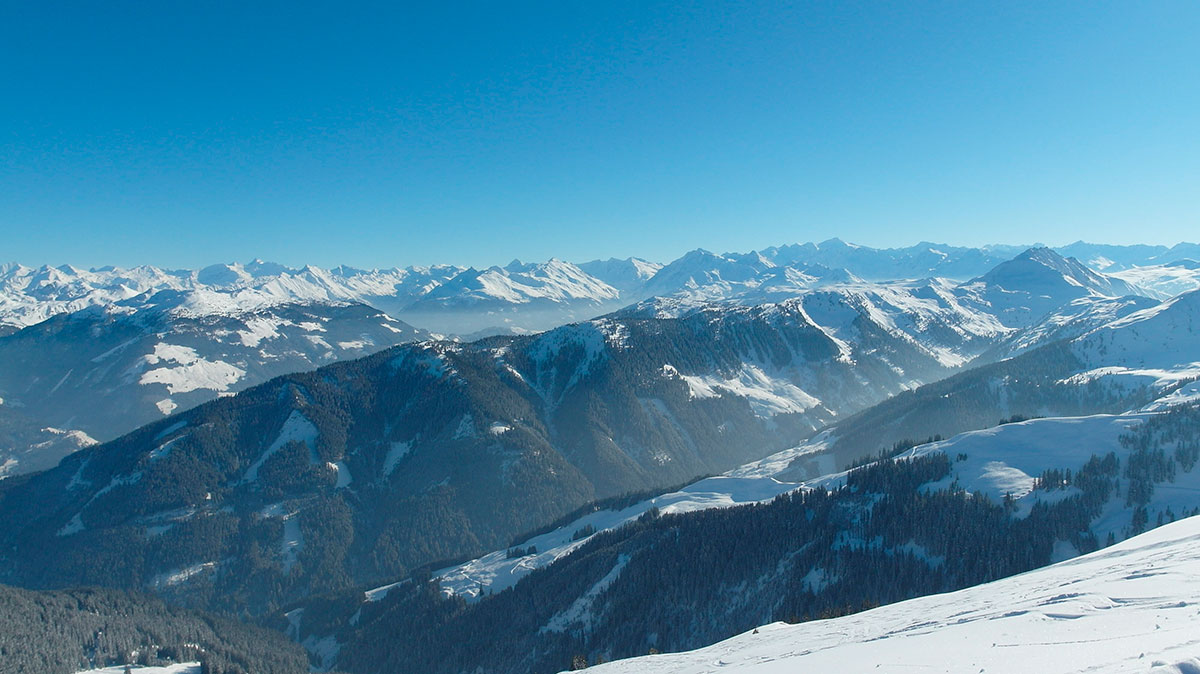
(767,395)
(1167,280)
(1132,607)
(191,373)
(579,613)
(172,578)
(166,406)
(72,527)
(396,451)
(378,593)
(495,571)
(1007,459)
(259,328)
(466,427)
(295,429)
(1186,394)
(74,437)
(293,542)
(170,429)
(179,668)
(1163,337)
(344,478)
(324,649)
(998,461)
(118,481)
(165,448)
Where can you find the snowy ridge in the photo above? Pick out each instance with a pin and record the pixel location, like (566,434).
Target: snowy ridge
(1165,280)
(496,571)
(999,461)
(103,371)
(30,295)
(1156,346)
(1130,607)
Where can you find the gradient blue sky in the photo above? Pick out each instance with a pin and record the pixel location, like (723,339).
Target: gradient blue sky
(181,134)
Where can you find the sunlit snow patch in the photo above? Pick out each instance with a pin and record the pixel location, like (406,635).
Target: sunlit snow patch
(296,429)
(191,373)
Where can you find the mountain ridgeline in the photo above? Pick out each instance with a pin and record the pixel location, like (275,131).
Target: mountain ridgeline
(888,531)
(296,492)
(362,470)
(101,372)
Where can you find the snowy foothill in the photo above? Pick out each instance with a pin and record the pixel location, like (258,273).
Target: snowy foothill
(999,461)
(1132,607)
(497,570)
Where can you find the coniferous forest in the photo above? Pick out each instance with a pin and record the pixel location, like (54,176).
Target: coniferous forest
(71,630)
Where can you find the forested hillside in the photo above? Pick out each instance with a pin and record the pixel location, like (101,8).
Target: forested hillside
(68,631)
(887,531)
(361,471)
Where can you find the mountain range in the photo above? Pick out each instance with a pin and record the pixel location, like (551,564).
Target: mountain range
(135,351)
(414,487)
(449,299)
(100,372)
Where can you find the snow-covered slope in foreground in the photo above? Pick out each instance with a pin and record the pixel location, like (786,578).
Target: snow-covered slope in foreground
(1132,607)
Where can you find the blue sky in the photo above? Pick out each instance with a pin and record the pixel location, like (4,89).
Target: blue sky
(181,134)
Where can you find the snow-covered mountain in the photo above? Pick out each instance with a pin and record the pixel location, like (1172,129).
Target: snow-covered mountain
(922,260)
(439,448)
(534,296)
(29,296)
(1022,290)
(1154,347)
(444,298)
(1109,477)
(1165,280)
(211,345)
(627,276)
(100,372)
(456,300)
(1003,461)
(1120,356)
(1130,607)
(1113,258)
(357,473)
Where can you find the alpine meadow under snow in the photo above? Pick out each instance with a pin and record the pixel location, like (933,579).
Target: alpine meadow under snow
(541,466)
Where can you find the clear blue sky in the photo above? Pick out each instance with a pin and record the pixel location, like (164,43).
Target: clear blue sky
(185,133)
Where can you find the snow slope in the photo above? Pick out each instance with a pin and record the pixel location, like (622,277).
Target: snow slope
(496,571)
(996,461)
(1167,280)
(1132,607)
(1155,346)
